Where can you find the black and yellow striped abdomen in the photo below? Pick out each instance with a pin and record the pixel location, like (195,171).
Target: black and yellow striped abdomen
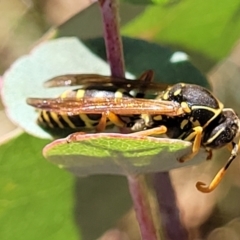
(52,120)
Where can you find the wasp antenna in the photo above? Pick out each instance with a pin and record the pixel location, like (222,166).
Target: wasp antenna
(217,179)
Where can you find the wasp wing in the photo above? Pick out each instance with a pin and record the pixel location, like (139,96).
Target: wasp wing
(143,83)
(78,80)
(121,106)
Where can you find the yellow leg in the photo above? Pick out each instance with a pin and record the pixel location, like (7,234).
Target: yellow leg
(112,117)
(197,136)
(202,187)
(149,132)
(102,123)
(115,119)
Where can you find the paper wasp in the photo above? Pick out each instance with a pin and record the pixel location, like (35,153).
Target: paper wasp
(184,111)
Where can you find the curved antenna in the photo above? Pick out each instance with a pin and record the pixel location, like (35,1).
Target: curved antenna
(202,187)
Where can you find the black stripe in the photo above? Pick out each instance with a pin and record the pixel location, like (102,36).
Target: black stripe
(75,119)
(55,125)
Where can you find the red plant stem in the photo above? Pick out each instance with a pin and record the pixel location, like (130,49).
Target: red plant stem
(137,186)
(138,190)
(113,40)
(170,216)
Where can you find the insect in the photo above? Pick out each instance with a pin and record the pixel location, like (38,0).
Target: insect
(184,111)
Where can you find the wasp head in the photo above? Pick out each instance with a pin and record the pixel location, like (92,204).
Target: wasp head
(222,130)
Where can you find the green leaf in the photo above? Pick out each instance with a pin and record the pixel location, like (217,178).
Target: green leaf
(168,66)
(35,197)
(26,76)
(121,154)
(206,27)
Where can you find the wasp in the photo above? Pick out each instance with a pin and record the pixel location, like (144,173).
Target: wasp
(182,111)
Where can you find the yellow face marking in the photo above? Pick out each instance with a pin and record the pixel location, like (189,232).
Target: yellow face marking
(214,136)
(182,84)
(56,119)
(183,123)
(157,118)
(177,92)
(80,93)
(67,120)
(47,119)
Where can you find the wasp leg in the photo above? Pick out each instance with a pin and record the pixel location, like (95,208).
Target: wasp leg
(143,123)
(209,156)
(112,117)
(197,136)
(219,176)
(102,123)
(147,76)
(149,132)
(115,119)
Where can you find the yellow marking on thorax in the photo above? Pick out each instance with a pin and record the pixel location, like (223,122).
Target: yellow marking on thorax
(165,95)
(195,123)
(56,119)
(157,118)
(216,112)
(47,119)
(183,123)
(185,107)
(80,93)
(67,120)
(119,93)
(177,92)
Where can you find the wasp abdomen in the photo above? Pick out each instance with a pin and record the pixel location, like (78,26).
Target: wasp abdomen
(50,119)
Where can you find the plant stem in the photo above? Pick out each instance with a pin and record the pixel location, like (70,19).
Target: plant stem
(137,186)
(139,193)
(113,40)
(170,218)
